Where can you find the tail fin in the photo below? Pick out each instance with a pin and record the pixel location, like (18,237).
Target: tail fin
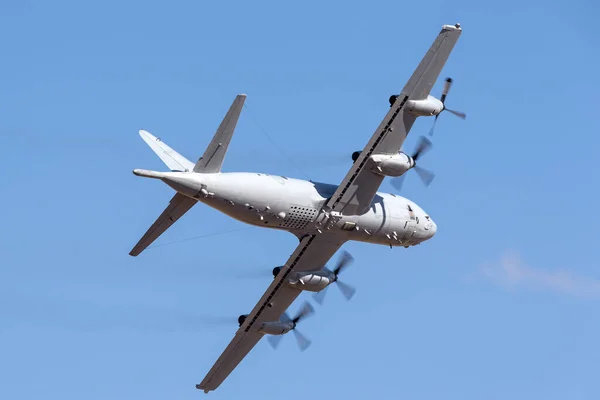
(212,159)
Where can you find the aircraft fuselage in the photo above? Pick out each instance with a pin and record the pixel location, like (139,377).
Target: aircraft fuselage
(294,205)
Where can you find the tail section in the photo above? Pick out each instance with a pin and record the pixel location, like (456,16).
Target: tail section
(179,204)
(209,163)
(212,159)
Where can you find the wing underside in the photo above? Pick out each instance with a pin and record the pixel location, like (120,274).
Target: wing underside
(313,252)
(356,192)
(353,196)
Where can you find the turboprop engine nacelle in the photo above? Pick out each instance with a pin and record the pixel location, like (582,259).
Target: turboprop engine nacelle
(276,327)
(313,281)
(429,106)
(391,164)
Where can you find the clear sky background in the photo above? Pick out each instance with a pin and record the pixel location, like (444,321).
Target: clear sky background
(501,304)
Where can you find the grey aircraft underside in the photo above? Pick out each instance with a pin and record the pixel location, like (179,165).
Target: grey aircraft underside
(322,216)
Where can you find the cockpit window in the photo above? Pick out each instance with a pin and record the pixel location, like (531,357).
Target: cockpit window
(428,219)
(409,207)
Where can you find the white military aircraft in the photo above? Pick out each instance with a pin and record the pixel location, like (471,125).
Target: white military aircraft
(322,216)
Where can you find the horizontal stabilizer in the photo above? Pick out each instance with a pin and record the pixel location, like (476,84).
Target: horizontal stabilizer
(173,160)
(148,174)
(212,159)
(178,206)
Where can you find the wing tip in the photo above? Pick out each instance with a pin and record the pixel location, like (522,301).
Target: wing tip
(135,251)
(146,135)
(455,27)
(199,387)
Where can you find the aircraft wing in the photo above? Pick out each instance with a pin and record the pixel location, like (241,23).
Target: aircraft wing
(313,252)
(356,192)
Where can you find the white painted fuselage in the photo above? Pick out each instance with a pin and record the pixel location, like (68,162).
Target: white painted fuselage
(295,205)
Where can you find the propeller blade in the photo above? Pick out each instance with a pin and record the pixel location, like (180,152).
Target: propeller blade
(422,148)
(347,290)
(306,310)
(459,114)
(344,261)
(319,297)
(397,182)
(425,175)
(274,340)
(447,86)
(303,342)
(285,317)
(433,125)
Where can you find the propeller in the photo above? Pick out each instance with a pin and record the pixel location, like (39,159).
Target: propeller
(302,341)
(459,114)
(347,290)
(426,176)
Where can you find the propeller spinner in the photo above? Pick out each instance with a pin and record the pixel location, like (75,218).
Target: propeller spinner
(302,341)
(459,114)
(347,290)
(426,176)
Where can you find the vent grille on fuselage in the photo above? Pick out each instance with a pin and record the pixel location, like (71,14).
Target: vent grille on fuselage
(299,217)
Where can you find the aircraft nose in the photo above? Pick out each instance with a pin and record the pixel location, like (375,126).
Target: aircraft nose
(432,228)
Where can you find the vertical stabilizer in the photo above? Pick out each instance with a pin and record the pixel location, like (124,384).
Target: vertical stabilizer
(212,159)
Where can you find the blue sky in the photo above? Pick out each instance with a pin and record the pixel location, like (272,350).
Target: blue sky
(501,303)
